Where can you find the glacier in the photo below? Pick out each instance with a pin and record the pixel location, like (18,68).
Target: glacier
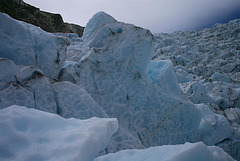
(114,68)
(30,134)
(29,87)
(115,71)
(26,44)
(207,69)
(183,152)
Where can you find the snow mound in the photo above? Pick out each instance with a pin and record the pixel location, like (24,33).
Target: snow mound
(186,152)
(29,134)
(26,44)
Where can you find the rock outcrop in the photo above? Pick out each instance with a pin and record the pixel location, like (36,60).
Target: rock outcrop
(47,21)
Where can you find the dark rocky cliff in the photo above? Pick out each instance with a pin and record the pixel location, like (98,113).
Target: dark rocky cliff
(47,21)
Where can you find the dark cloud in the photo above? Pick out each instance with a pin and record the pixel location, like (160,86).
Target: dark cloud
(156,15)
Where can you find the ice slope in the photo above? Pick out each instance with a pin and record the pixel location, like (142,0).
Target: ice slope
(207,68)
(113,67)
(29,134)
(26,44)
(185,152)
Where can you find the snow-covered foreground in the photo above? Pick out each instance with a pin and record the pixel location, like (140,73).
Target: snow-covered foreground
(29,134)
(106,73)
(186,152)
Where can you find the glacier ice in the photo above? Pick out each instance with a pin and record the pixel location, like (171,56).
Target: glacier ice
(29,134)
(8,70)
(185,152)
(74,101)
(219,77)
(16,95)
(26,44)
(208,121)
(114,67)
(30,88)
(98,20)
(27,72)
(109,73)
(162,73)
(207,67)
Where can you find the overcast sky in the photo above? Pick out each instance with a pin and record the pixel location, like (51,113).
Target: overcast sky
(156,15)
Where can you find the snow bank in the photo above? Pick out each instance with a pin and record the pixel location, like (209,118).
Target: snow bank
(26,44)
(186,152)
(29,134)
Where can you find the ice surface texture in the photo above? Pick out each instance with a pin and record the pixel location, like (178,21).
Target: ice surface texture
(114,67)
(29,134)
(162,73)
(186,152)
(26,44)
(207,68)
(107,73)
(29,87)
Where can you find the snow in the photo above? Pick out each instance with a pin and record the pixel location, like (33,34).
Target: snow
(29,134)
(185,152)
